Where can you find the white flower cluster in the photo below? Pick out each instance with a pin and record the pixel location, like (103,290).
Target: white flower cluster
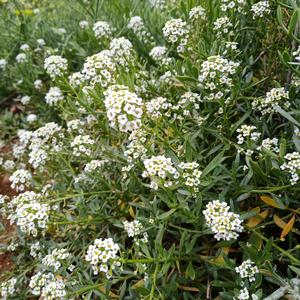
(191,174)
(234,5)
(81,145)
(25,100)
(197,13)
(247,270)
(21,58)
(260,9)
(274,98)
(76,79)
(225,224)
(7,288)
(54,96)
(134,229)
(124,109)
(160,55)
(98,69)
(187,102)
(55,66)
(215,76)
(41,142)
(292,165)
(136,24)
(135,149)
(8,165)
(244,295)
(76,125)
(177,31)
(160,169)
(83,24)
(158,107)
(47,286)
(38,84)
(222,26)
(29,213)
(247,132)
(102,254)
(102,30)
(35,249)
(94,165)
(20,179)
(158,4)
(55,258)
(3,64)
(122,51)
(269,144)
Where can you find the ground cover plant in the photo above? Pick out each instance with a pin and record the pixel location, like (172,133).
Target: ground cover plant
(152,148)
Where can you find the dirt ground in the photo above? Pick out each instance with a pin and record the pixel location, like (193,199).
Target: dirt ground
(9,230)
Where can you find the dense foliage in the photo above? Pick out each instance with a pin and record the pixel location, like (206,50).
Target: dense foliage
(155,148)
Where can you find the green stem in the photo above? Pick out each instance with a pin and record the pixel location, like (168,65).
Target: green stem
(285,253)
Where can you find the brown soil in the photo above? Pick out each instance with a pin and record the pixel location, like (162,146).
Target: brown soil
(7,234)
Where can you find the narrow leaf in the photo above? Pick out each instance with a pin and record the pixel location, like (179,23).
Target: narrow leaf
(288,227)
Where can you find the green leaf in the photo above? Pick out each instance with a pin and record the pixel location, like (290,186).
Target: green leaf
(293,22)
(286,115)
(214,163)
(165,215)
(190,272)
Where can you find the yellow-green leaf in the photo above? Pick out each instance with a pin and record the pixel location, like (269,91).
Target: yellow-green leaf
(279,222)
(254,221)
(288,227)
(270,201)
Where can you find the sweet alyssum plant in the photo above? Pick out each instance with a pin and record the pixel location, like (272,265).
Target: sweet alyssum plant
(158,150)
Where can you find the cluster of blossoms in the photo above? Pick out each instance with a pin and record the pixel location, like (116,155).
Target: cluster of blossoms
(25,99)
(235,5)
(47,286)
(292,165)
(55,66)
(176,31)
(41,142)
(54,259)
(29,213)
(81,145)
(191,174)
(247,270)
(197,13)
(160,169)
(21,58)
(124,109)
(7,288)
(222,26)
(160,55)
(215,76)
(83,24)
(244,295)
(225,225)
(187,102)
(135,149)
(38,84)
(158,4)
(76,79)
(102,254)
(138,27)
(98,69)
(35,250)
(269,144)
(3,64)
(247,132)
(20,179)
(54,96)
(260,9)
(122,51)
(94,165)
(102,30)
(274,98)
(75,125)
(158,107)
(134,229)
